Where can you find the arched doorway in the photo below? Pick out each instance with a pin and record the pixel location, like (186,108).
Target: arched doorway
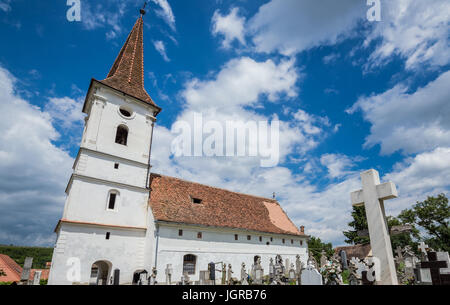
(100,273)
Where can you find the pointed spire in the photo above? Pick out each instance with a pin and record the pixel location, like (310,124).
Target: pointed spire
(127,72)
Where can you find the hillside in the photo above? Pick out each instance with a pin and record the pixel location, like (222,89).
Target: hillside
(40,255)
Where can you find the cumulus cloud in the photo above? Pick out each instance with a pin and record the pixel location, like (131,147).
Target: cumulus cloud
(231,26)
(33,171)
(161,48)
(410,122)
(291,26)
(338,165)
(165,12)
(415,30)
(5,5)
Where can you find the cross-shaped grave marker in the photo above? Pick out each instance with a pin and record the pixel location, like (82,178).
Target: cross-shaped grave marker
(372,196)
(434,265)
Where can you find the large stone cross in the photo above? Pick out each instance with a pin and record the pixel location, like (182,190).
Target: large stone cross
(372,196)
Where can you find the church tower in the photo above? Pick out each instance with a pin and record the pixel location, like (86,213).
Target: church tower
(104,230)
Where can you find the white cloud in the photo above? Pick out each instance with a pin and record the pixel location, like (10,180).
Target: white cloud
(5,5)
(291,26)
(33,171)
(411,122)
(65,111)
(416,30)
(230,26)
(338,165)
(161,48)
(165,12)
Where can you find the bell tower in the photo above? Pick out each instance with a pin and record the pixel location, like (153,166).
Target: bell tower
(106,212)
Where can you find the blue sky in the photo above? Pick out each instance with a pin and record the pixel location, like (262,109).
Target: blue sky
(350,94)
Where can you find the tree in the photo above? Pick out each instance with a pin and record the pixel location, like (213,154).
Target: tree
(316,246)
(433,215)
(359,223)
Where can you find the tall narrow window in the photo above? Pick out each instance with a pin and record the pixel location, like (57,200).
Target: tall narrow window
(180,232)
(199,235)
(112,200)
(108,235)
(249,237)
(122,135)
(236,237)
(283,241)
(189,261)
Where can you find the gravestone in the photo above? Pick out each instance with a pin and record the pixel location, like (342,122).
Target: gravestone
(372,196)
(343,256)
(116,277)
(244,275)
(271,270)
(24,277)
(204,277)
(423,251)
(37,278)
(323,259)
(310,276)
(435,266)
(298,269)
(169,272)
(443,256)
(229,275)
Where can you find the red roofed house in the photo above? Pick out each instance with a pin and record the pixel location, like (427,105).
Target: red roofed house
(120,220)
(13,270)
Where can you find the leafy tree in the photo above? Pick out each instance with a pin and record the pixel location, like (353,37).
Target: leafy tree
(433,215)
(359,223)
(316,246)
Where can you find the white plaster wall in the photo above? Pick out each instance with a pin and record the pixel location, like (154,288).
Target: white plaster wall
(104,118)
(219,245)
(88,202)
(124,250)
(101,166)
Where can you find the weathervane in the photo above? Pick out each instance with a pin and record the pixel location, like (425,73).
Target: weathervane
(142,11)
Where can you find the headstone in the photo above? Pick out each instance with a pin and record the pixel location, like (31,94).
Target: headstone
(37,278)
(244,275)
(434,266)
(204,277)
(169,272)
(152,280)
(271,270)
(229,275)
(423,250)
(116,277)
(372,196)
(343,256)
(298,269)
(443,256)
(310,276)
(224,274)
(24,277)
(286,271)
(323,259)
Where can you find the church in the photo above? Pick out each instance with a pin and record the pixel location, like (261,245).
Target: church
(121,220)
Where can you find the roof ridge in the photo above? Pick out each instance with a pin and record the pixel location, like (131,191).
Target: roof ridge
(219,188)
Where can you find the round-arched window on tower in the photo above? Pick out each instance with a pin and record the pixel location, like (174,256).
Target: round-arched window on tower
(122,135)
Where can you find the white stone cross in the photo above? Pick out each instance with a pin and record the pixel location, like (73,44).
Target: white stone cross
(372,196)
(423,247)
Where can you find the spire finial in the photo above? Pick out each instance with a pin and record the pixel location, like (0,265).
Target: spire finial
(142,11)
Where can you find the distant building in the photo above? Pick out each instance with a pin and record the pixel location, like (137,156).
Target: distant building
(358,251)
(13,270)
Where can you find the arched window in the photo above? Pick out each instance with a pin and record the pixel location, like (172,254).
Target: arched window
(189,261)
(122,135)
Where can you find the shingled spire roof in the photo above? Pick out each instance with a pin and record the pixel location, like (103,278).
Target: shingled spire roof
(127,72)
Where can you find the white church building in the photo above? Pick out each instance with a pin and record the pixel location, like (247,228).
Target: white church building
(120,219)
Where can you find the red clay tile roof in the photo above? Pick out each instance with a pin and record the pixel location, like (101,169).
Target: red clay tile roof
(171,201)
(127,72)
(359,251)
(11,268)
